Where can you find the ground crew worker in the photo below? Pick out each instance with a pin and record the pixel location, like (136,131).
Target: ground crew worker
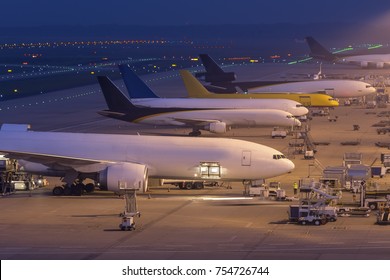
(295,186)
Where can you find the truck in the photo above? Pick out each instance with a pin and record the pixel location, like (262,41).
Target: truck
(276,132)
(308,214)
(311,216)
(353,211)
(309,154)
(376,203)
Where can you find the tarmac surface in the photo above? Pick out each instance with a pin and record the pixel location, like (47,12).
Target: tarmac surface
(213,223)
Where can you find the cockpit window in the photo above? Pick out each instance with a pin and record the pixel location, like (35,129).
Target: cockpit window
(279,156)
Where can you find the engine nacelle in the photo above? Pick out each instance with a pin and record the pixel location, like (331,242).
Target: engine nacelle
(217,127)
(364,64)
(380,64)
(121,176)
(222,77)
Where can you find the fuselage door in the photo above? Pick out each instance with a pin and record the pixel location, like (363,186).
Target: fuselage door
(246,158)
(305,100)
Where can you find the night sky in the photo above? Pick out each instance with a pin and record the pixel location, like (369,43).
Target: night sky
(183,12)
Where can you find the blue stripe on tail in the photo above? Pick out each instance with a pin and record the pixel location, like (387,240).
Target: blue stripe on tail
(135,86)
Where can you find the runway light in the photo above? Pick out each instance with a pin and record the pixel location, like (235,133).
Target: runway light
(15,90)
(9,70)
(92,73)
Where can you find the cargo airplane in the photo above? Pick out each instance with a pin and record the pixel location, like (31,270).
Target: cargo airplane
(196,90)
(223,82)
(363,60)
(141,95)
(215,120)
(129,160)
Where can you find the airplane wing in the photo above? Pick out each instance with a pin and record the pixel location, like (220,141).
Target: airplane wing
(59,162)
(196,122)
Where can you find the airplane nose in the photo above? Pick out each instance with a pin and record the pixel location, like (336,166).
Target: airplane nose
(305,110)
(289,166)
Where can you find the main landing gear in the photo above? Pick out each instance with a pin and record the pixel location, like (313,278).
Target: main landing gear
(76,189)
(195,132)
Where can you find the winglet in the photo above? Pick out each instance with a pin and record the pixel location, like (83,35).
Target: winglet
(135,86)
(194,88)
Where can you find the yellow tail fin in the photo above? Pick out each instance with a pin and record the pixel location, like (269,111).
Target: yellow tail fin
(194,88)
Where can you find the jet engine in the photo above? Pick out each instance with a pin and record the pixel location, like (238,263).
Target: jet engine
(121,176)
(380,64)
(364,64)
(217,127)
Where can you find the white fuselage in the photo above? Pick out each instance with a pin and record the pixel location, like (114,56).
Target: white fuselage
(369,60)
(293,107)
(334,88)
(233,117)
(165,157)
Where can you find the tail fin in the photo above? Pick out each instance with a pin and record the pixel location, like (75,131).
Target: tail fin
(194,88)
(121,108)
(135,86)
(318,51)
(210,65)
(115,99)
(214,74)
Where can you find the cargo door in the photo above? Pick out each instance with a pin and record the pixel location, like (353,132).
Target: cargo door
(246,158)
(305,100)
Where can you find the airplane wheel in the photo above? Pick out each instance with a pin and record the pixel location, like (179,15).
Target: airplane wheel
(198,185)
(67,190)
(89,187)
(77,189)
(372,206)
(57,191)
